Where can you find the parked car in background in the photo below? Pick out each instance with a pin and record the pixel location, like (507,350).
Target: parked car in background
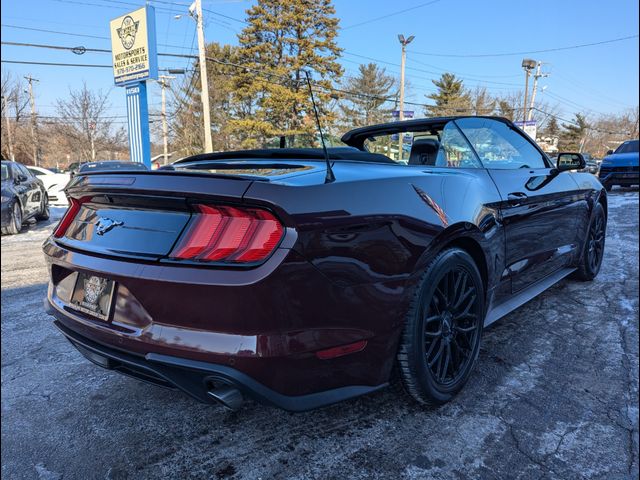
(620,167)
(330,268)
(53,182)
(591,164)
(23,197)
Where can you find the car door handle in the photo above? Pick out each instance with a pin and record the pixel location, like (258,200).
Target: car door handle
(516,197)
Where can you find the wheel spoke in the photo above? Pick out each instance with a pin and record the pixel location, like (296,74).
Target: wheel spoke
(433,334)
(440,300)
(465,329)
(438,353)
(447,358)
(434,343)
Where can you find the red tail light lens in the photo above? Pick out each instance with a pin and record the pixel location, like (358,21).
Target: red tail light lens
(229,235)
(70,214)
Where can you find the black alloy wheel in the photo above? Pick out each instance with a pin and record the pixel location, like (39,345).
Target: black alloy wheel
(593,252)
(441,340)
(451,326)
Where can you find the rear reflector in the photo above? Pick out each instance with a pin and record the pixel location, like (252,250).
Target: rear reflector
(229,235)
(341,350)
(70,214)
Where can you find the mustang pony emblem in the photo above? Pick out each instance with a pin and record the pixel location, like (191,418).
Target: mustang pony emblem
(105,224)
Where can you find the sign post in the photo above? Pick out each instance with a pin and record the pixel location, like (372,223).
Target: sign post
(135,60)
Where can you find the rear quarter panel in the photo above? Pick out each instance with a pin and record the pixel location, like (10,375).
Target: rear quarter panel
(373,236)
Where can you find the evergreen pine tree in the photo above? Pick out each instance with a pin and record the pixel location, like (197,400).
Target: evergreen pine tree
(450,99)
(573,134)
(552,129)
(373,84)
(283,39)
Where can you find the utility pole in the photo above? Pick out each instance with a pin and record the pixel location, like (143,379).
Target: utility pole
(527,66)
(206,114)
(165,129)
(34,128)
(536,76)
(9,138)
(404,42)
(92,128)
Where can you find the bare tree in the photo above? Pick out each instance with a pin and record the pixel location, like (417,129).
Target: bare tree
(85,125)
(14,104)
(482,103)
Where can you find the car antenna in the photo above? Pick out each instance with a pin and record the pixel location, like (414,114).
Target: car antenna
(330,177)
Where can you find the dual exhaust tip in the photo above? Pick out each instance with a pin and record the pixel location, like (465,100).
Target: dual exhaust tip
(230,397)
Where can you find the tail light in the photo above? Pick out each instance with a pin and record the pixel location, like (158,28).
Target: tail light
(72,211)
(229,235)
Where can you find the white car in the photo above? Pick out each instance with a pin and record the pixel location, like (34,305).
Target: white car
(53,182)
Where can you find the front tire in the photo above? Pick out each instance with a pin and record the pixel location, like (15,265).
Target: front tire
(593,251)
(441,339)
(15,224)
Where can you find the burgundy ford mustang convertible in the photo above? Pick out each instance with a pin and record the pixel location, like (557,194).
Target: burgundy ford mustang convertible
(302,277)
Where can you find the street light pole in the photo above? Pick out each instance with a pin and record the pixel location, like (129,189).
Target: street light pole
(404,42)
(206,114)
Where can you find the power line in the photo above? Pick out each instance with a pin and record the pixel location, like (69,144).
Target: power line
(57,64)
(393,14)
(82,35)
(54,64)
(576,124)
(547,50)
(19,27)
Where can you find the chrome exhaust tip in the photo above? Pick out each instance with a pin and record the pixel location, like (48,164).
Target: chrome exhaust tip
(228,396)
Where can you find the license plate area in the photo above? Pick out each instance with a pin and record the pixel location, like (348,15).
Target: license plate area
(93,295)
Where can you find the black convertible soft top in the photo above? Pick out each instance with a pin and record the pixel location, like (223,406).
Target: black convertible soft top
(356,137)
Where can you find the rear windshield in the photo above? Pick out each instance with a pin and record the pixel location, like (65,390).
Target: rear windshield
(628,147)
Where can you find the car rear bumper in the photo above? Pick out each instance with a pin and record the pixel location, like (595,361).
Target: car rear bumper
(196,378)
(260,329)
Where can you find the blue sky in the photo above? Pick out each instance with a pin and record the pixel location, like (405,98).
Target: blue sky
(596,79)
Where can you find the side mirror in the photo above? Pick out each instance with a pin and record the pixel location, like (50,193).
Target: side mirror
(570,161)
(609,152)
(20,178)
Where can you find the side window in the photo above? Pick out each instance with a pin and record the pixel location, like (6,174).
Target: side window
(24,171)
(37,173)
(499,146)
(454,150)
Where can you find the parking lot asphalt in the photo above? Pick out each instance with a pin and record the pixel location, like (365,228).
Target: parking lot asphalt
(555,395)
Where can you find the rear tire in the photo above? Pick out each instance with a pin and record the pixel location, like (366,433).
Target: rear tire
(44,213)
(593,251)
(15,225)
(441,339)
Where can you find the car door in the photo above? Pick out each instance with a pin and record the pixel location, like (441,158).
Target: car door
(32,192)
(540,208)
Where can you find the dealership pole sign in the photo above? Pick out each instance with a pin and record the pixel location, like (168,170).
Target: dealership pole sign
(135,60)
